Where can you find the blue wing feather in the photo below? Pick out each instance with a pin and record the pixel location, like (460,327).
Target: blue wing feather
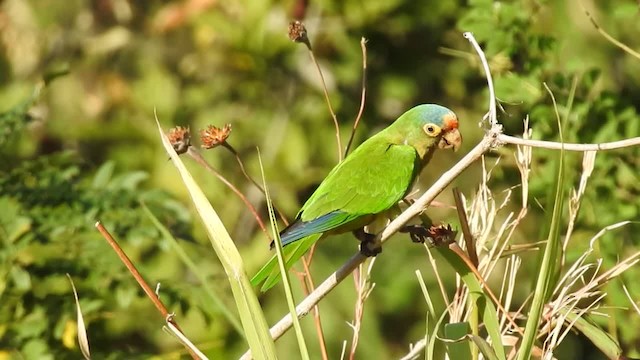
(301,229)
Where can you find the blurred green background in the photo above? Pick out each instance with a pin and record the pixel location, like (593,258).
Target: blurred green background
(88,149)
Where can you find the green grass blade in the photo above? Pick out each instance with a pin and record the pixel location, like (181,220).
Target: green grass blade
(431,345)
(487,310)
(484,347)
(598,337)
(459,347)
(251,316)
(304,353)
(208,288)
(546,271)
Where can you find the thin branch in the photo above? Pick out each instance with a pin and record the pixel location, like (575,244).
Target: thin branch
(195,155)
(298,33)
(507,139)
(228,146)
(326,97)
(493,116)
(609,37)
(143,284)
(363,46)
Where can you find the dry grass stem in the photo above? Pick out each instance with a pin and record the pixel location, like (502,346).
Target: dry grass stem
(140,280)
(183,339)
(363,46)
(364,287)
(298,33)
(609,37)
(633,302)
(195,155)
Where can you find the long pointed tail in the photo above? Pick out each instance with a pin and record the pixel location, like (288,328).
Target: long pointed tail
(269,275)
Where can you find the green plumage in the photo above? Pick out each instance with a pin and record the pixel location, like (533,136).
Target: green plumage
(371,180)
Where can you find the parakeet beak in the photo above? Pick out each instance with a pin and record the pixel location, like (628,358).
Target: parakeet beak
(451,139)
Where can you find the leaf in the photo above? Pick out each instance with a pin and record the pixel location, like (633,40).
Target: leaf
(83,339)
(600,338)
(103,175)
(459,348)
(487,310)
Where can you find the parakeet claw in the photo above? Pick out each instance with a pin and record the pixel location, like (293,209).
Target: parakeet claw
(434,235)
(370,249)
(368,246)
(418,233)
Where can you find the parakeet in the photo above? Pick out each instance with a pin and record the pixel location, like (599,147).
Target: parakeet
(368,183)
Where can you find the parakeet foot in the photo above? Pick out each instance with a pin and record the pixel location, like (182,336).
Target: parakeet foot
(434,235)
(418,233)
(368,246)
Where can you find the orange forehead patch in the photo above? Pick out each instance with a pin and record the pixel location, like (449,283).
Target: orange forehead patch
(450,121)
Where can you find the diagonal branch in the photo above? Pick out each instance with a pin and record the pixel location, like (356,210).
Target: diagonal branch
(415,209)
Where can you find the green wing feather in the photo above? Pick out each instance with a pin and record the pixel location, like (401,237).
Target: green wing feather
(371,180)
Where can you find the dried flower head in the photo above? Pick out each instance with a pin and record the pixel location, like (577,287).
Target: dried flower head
(213,136)
(298,33)
(180,139)
(442,234)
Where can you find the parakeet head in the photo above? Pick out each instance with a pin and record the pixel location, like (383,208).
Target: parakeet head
(429,125)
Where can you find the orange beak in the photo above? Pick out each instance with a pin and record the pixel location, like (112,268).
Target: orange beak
(451,138)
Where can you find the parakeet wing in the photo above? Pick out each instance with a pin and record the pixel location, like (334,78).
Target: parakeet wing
(374,178)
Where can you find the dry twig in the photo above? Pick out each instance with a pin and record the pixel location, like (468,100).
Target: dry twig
(169,318)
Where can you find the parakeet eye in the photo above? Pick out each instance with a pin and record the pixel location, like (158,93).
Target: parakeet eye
(432,129)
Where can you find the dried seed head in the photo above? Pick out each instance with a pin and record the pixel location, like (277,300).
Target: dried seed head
(442,234)
(213,136)
(298,33)
(180,139)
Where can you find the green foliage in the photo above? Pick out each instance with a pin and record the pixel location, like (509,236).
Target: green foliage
(49,205)
(85,148)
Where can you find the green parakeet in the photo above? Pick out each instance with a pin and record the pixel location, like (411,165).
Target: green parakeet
(370,181)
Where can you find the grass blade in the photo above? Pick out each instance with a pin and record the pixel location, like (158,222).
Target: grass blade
(546,271)
(208,288)
(83,339)
(304,353)
(487,310)
(251,316)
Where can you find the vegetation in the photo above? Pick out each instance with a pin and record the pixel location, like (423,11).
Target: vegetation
(82,80)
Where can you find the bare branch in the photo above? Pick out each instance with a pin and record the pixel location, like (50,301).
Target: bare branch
(493,116)
(140,280)
(606,35)
(363,45)
(507,139)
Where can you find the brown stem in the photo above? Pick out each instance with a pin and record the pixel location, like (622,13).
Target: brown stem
(200,160)
(363,45)
(466,231)
(248,177)
(143,284)
(326,96)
